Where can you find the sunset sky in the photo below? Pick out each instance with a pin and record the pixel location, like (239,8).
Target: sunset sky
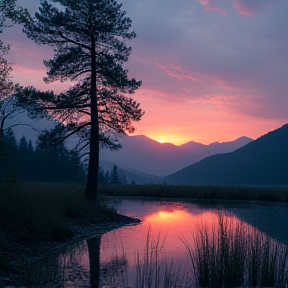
(212,70)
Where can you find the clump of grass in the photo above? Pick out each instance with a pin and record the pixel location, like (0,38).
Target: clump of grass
(199,192)
(41,210)
(154,271)
(267,261)
(35,211)
(234,255)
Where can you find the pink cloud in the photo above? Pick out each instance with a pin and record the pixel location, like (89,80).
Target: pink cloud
(247,7)
(182,73)
(31,54)
(185,89)
(223,84)
(177,71)
(34,77)
(23,70)
(151,92)
(231,104)
(209,6)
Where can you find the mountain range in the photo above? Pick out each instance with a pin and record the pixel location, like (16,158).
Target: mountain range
(261,162)
(143,159)
(145,155)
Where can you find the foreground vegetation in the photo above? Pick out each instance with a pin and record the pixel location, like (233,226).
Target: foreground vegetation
(199,192)
(236,255)
(228,254)
(33,214)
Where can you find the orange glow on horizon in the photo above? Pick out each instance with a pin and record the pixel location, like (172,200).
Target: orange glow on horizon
(173,139)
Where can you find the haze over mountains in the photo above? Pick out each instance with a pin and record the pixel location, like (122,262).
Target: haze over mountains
(146,155)
(142,159)
(262,162)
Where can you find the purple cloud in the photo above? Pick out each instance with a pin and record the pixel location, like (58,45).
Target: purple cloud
(248,7)
(185,53)
(211,5)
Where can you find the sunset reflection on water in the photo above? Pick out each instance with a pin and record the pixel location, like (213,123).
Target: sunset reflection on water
(168,223)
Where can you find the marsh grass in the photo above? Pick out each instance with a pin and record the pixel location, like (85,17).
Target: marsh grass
(236,255)
(199,192)
(40,210)
(32,214)
(152,270)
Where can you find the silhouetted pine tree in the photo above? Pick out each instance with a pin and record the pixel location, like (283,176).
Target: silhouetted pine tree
(31,167)
(57,163)
(107,178)
(114,175)
(11,141)
(8,152)
(91,50)
(45,163)
(101,176)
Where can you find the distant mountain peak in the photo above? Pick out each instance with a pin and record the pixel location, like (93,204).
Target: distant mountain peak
(242,139)
(147,155)
(260,162)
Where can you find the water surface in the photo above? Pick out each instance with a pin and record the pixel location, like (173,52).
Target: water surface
(120,258)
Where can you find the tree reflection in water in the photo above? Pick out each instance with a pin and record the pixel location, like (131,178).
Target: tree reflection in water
(94,260)
(112,273)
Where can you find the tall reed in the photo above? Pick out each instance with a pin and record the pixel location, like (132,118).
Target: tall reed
(154,271)
(232,255)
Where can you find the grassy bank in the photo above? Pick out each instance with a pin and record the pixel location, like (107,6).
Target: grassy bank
(34,214)
(199,192)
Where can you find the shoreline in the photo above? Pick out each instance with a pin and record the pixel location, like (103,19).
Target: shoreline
(83,230)
(237,193)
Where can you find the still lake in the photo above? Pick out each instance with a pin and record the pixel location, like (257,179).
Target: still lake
(157,247)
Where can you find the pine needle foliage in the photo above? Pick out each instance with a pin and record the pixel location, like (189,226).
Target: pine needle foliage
(89,42)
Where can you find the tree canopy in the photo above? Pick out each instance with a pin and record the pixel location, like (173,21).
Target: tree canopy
(89,41)
(7,88)
(6,11)
(9,107)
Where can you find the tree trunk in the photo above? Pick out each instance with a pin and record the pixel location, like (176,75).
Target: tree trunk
(91,190)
